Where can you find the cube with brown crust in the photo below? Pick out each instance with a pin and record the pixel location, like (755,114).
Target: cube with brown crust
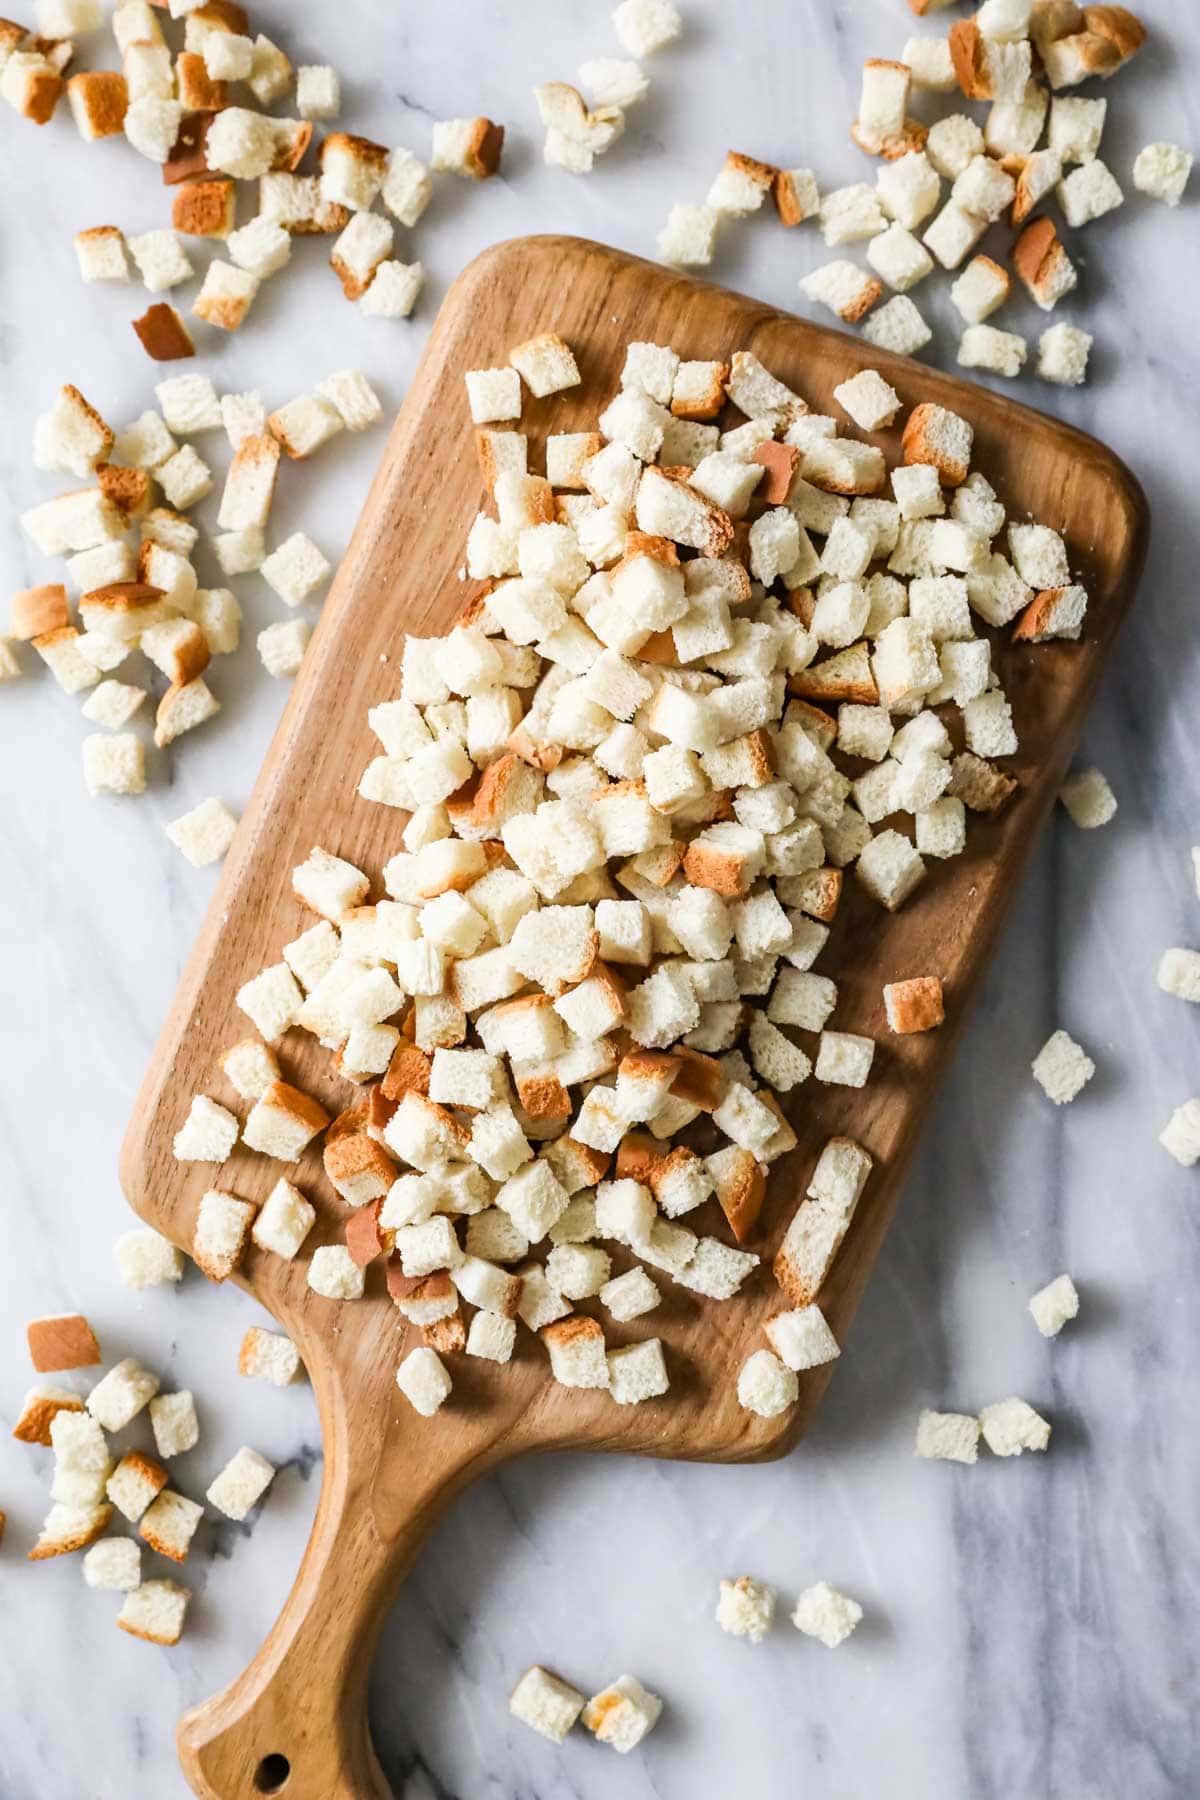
(481,156)
(205,208)
(896,144)
(364,1239)
(1040,259)
(37,610)
(126,601)
(818,893)
(507,786)
(447,1336)
(781,462)
(700,1079)
(407,1073)
(422,1298)
(846,676)
(292,138)
(163,335)
(544,1097)
(968,49)
(222,15)
(92,1523)
(99,99)
(358,1167)
(1121,28)
(980,785)
(726,871)
(43,85)
(914,1005)
(129,490)
(741,1189)
(924,442)
(198,92)
(62,1341)
(353,1118)
(41,1406)
(639,1158)
(705,405)
(188,157)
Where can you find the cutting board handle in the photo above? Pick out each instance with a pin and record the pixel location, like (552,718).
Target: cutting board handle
(294,1723)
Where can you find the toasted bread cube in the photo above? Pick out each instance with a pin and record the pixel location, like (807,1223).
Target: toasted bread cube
(577,1353)
(268,1356)
(468,147)
(63,1341)
(40,1407)
(225,294)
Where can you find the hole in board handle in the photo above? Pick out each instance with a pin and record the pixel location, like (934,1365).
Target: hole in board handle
(271,1774)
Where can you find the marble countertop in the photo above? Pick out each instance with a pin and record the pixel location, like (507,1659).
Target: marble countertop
(1030,1626)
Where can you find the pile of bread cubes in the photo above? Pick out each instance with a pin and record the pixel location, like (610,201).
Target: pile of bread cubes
(198,111)
(706,672)
(92,1482)
(145,597)
(941,188)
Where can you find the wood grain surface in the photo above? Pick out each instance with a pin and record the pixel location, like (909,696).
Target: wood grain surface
(389,1473)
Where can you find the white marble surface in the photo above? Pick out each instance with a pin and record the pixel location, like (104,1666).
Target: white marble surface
(1030,1626)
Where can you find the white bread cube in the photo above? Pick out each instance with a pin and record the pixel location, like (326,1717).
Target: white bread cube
(1089,799)
(637,1372)
(113,704)
(296,569)
(850,214)
(394,290)
(241,1484)
(1062,1069)
(272,1002)
(689,237)
(161,260)
(1000,352)
(205,833)
(173,1419)
(889,868)
(1088,192)
(318,91)
(208,1134)
(844,288)
(423,1380)
(918,491)
(169,1524)
(152,126)
(954,234)
(577,1352)
(1054,1305)
(491,1337)
(120,1395)
(1063,353)
(824,1613)
(114,1564)
(947,1437)
(145,1258)
(352,396)
(898,327)
(765,1386)
(1180,1136)
(1162,171)
(802,1338)
(261,247)
(1011,1427)
(746,1608)
(983,286)
(545,1703)
(406,189)
(621,1715)
(114,765)
(307,422)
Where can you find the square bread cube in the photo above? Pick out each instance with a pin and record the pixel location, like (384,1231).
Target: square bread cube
(169,1524)
(1061,1068)
(947,1437)
(155,1611)
(241,1484)
(173,1421)
(545,1703)
(423,1380)
(146,1259)
(801,1338)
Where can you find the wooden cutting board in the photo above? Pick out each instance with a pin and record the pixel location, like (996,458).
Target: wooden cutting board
(295,1723)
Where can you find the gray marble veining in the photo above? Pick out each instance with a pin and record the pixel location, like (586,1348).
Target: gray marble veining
(1030,1626)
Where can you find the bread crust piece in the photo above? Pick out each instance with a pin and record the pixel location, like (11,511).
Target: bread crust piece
(188,155)
(914,1005)
(1123,29)
(101,97)
(781,462)
(846,676)
(741,1191)
(163,335)
(639,1158)
(1037,254)
(198,92)
(967,50)
(700,1079)
(205,208)
(37,610)
(364,1239)
(61,1341)
(544,1097)
(447,1336)
(484,149)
